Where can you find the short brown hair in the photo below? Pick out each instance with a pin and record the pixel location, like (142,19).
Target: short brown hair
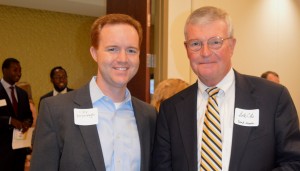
(100,22)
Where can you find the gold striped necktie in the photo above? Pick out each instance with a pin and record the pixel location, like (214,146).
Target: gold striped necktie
(211,148)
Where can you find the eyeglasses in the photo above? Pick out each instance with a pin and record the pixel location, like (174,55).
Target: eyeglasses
(213,43)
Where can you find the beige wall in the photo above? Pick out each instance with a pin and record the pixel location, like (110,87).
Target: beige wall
(267,34)
(41,40)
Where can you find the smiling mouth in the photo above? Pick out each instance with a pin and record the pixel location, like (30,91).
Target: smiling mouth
(205,63)
(121,69)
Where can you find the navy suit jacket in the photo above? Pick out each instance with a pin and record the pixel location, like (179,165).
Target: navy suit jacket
(273,145)
(59,144)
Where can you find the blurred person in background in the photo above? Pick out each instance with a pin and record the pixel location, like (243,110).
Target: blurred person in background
(59,79)
(166,89)
(271,75)
(15,116)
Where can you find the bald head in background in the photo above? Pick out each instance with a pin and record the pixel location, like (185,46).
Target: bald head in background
(272,76)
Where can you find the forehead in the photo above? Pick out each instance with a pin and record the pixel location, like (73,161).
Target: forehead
(206,29)
(117,29)
(14,65)
(123,35)
(271,76)
(59,71)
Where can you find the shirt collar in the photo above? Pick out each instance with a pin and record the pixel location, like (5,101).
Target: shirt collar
(96,93)
(224,85)
(5,84)
(62,92)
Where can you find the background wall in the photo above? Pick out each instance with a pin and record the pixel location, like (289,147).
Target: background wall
(41,40)
(267,33)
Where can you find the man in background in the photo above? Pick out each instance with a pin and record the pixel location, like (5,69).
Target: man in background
(15,116)
(271,75)
(59,79)
(99,127)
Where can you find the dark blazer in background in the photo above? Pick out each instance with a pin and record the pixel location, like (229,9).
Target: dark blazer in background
(6,130)
(274,143)
(49,94)
(59,144)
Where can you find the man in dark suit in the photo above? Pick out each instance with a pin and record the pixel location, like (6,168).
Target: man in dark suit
(99,126)
(246,124)
(59,79)
(12,116)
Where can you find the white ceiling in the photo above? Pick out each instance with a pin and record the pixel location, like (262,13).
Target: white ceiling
(94,8)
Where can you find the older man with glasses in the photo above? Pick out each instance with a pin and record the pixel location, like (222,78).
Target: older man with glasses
(226,120)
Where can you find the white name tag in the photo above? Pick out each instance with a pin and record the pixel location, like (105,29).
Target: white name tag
(86,116)
(2,102)
(245,117)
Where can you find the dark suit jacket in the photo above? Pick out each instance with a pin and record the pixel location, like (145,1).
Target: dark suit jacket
(59,144)
(275,143)
(7,111)
(50,94)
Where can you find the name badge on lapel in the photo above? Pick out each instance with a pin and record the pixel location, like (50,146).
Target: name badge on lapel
(86,116)
(2,102)
(246,117)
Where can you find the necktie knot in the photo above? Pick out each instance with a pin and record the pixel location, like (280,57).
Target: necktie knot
(212,91)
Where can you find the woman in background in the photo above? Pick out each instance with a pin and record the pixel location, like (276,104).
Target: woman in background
(166,89)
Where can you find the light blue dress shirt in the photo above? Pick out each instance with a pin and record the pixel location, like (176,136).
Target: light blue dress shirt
(117,130)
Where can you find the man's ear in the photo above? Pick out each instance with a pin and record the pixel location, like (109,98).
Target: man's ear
(4,70)
(93,52)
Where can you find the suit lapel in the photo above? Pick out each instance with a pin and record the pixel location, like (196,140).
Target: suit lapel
(244,99)
(186,111)
(143,131)
(90,134)
(4,95)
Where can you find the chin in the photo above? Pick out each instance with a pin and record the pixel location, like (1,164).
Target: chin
(121,84)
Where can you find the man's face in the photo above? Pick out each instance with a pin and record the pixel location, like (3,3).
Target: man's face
(13,73)
(59,80)
(117,55)
(210,65)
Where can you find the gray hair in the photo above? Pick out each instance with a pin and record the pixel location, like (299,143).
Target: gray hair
(209,14)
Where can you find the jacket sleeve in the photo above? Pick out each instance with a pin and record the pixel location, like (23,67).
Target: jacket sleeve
(45,153)
(161,157)
(287,134)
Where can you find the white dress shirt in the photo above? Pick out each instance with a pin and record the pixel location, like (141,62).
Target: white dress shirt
(55,93)
(225,99)
(7,86)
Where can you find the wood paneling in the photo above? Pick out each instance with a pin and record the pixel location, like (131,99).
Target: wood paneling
(139,86)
